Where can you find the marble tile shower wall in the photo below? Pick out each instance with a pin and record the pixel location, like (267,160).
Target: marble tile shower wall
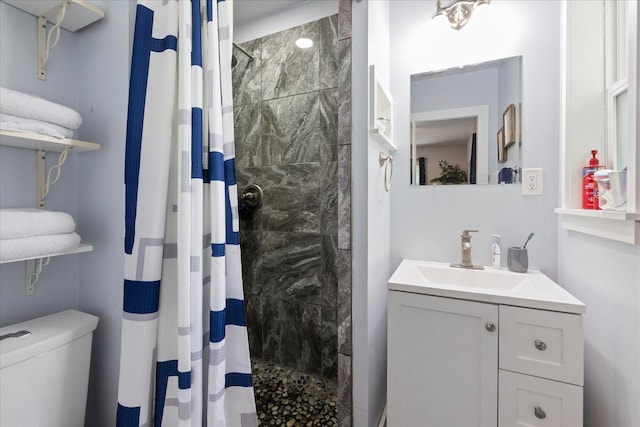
(286,133)
(345,379)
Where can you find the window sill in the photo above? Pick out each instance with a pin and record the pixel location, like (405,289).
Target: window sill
(618,226)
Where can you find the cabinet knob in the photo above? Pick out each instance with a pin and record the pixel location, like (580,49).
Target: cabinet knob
(539,413)
(540,345)
(490,326)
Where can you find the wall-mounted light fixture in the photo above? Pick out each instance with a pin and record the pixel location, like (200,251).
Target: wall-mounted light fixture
(458,12)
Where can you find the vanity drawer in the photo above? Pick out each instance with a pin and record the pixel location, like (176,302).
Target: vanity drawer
(530,401)
(546,344)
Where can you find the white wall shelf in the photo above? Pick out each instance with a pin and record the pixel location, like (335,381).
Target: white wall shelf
(36,141)
(80,249)
(41,144)
(35,264)
(612,215)
(79,14)
(381,137)
(380,111)
(619,226)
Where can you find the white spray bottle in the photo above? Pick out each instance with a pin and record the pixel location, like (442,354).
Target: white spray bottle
(495,250)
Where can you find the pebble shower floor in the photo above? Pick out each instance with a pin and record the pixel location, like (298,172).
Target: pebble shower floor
(285,397)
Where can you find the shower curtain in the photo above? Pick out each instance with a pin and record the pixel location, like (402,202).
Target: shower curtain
(184,351)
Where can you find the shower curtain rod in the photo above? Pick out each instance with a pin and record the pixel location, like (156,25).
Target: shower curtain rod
(243,51)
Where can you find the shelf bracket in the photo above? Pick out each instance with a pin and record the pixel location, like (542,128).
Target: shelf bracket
(47,179)
(42,48)
(34,268)
(44,39)
(30,286)
(41,168)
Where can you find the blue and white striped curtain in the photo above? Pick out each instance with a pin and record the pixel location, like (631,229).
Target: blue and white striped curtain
(185,352)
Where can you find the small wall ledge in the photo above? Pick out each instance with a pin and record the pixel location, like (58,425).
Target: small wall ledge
(619,226)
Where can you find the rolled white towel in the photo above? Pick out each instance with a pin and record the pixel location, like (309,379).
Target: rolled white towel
(22,124)
(32,107)
(29,222)
(37,246)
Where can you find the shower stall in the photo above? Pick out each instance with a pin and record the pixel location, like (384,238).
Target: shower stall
(286,135)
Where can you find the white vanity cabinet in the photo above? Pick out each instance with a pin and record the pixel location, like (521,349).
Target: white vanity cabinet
(470,356)
(443,362)
(463,363)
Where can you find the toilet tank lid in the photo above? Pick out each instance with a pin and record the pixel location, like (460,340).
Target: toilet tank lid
(47,333)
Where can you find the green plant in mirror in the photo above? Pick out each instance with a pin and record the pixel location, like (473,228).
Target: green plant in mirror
(451,174)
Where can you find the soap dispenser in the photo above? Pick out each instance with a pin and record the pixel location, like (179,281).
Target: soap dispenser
(589,185)
(495,250)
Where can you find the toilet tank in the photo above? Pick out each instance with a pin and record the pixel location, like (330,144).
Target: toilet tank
(44,375)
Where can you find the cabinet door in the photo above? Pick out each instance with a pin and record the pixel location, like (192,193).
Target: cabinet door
(531,401)
(442,362)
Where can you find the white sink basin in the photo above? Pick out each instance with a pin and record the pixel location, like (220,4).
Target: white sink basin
(532,289)
(482,279)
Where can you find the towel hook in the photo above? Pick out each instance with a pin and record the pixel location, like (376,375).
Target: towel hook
(387,162)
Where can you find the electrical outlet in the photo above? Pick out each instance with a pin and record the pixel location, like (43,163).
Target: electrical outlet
(532,182)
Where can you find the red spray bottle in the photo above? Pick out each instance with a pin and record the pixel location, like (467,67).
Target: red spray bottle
(589,185)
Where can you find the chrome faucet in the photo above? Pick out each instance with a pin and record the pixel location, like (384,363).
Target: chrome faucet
(466,252)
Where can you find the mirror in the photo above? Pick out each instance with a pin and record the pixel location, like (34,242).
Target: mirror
(466,124)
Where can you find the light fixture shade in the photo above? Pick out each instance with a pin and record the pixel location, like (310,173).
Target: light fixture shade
(458,12)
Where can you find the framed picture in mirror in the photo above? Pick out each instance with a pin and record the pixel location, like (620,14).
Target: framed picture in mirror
(502,149)
(509,125)
(519,123)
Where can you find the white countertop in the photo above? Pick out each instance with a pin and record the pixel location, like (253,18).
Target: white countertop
(499,286)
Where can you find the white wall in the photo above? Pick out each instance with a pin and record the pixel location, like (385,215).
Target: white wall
(426,222)
(435,93)
(371,218)
(605,276)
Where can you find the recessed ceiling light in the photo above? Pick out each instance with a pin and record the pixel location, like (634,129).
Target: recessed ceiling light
(304,43)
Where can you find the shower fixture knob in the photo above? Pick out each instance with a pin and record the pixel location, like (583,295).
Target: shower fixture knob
(250,201)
